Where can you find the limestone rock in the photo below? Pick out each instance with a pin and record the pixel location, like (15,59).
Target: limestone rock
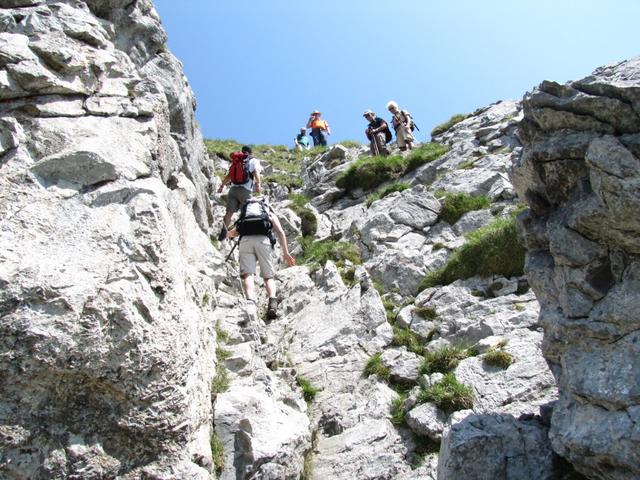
(496,447)
(105,265)
(577,173)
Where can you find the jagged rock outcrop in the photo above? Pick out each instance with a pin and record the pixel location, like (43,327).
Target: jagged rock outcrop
(579,175)
(106,272)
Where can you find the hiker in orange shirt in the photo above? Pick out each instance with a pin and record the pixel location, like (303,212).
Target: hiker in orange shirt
(318,128)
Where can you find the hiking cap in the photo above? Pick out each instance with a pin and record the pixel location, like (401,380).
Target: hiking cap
(368,112)
(303,130)
(315,112)
(246,149)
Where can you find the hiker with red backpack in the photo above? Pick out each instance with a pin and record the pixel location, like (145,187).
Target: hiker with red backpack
(244,174)
(403,125)
(256,227)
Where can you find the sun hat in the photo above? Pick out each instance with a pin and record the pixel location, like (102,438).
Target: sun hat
(368,112)
(315,112)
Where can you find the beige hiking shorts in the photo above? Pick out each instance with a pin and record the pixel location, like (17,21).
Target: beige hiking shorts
(256,249)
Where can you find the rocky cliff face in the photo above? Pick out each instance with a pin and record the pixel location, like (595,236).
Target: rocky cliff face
(106,354)
(579,174)
(127,351)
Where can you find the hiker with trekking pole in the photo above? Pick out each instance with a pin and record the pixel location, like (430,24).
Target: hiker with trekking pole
(257,229)
(378,134)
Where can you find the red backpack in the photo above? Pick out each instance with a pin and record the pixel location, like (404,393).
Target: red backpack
(239,169)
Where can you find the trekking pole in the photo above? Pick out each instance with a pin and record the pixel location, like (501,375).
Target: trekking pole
(232,249)
(374,142)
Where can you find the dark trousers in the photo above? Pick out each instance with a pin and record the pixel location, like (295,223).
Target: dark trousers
(318,137)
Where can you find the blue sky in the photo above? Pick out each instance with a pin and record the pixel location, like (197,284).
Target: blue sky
(258,67)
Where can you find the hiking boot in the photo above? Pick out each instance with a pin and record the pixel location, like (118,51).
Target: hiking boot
(223,233)
(272,309)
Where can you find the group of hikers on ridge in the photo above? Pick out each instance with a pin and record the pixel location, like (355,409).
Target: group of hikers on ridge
(377,131)
(256,228)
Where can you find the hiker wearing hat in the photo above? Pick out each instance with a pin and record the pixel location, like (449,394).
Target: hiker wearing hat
(302,141)
(318,128)
(244,174)
(378,133)
(256,227)
(403,125)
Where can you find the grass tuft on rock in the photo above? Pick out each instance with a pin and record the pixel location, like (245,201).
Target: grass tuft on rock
(428,313)
(375,366)
(425,153)
(405,337)
(388,190)
(490,250)
(498,358)
(316,253)
(369,172)
(217,452)
(449,394)
(443,127)
(309,392)
(397,410)
(444,360)
(308,219)
(455,205)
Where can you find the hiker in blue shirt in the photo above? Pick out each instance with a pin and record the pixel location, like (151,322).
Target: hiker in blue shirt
(302,141)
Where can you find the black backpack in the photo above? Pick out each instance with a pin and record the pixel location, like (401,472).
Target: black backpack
(254,219)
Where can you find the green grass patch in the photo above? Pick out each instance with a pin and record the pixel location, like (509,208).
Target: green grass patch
(316,253)
(350,143)
(285,162)
(298,200)
(222,354)
(309,392)
(428,313)
(404,337)
(217,452)
(369,172)
(397,409)
(466,165)
(490,250)
(448,394)
(375,366)
(454,205)
(348,275)
(388,190)
(308,219)
(222,148)
(220,382)
(443,127)
(497,358)
(425,153)
(444,360)
(221,335)
(285,179)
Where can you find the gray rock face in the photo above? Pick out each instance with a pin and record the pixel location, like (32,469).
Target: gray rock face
(105,337)
(579,174)
(496,447)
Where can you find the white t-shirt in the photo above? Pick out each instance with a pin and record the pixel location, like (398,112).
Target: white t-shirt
(254,166)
